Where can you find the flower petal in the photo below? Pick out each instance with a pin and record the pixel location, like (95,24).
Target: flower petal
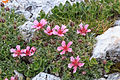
(63,43)
(78,31)
(12,78)
(70,65)
(34,26)
(77,58)
(23,50)
(81,64)
(75,68)
(55,32)
(83,34)
(63,52)
(14,55)
(45,31)
(69,44)
(36,22)
(81,26)
(86,26)
(28,48)
(88,30)
(18,47)
(63,27)
(72,58)
(33,49)
(12,50)
(60,48)
(69,49)
(6,78)
(43,22)
(60,35)
(66,30)
(48,28)
(22,55)
(57,27)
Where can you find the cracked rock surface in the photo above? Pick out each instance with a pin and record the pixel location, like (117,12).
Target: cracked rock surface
(108,45)
(45,76)
(31,8)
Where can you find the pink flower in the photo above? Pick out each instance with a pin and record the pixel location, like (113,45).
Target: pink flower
(84,72)
(65,47)
(28,51)
(6,78)
(17,52)
(75,63)
(12,78)
(60,31)
(39,25)
(49,31)
(83,30)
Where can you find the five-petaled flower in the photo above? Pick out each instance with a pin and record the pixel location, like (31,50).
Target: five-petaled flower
(49,31)
(17,52)
(60,31)
(65,47)
(28,51)
(39,25)
(75,63)
(83,30)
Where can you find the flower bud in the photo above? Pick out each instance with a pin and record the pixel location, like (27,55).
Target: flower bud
(46,44)
(3,20)
(84,72)
(0,20)
(3,14)
(52,24)
(79,41)
(19,37)
(4,37)
(7,9)
(72,23)
(1,4)
(15,26)
(104,61)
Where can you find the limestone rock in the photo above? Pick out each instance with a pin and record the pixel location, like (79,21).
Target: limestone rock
(45,76)
(114,76)
(31,8)
(27,31)
(108,43)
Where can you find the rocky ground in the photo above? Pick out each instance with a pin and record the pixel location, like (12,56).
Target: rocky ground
(107,46)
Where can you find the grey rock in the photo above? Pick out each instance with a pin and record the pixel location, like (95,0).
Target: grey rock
(117,23)
(27,31)
(35,6)
(108,45)
(101,79)
(45,76)
(114,76)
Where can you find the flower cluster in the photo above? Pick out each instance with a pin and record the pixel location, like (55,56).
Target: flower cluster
(60,31)
(22,52)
